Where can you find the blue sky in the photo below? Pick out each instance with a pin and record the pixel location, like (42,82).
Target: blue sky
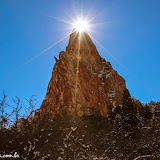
(130,30)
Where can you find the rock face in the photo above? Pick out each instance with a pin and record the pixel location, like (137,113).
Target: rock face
(82,81)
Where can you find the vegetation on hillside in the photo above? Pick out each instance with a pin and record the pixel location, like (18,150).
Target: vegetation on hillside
(131,130)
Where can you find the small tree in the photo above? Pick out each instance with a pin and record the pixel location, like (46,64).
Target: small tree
(16,110)
(32,105)
(146,114)
(156,114)
(128,114)
(4,116)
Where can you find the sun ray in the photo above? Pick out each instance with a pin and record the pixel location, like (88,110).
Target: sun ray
(61,20)
(108,52)
(77,73)
(72,40)
(91,19)
(82,9)
(96,24)
(36,56)
(90,11)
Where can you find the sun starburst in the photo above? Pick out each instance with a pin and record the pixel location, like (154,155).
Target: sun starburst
(81,25)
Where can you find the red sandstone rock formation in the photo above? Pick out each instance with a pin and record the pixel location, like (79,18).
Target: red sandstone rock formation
(82,81)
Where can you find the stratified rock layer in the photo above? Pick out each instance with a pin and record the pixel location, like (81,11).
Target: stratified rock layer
(82,81)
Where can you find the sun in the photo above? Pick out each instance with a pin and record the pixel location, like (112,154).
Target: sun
(80,25)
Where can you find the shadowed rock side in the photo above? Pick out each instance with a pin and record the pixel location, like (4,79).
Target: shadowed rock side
(82,82)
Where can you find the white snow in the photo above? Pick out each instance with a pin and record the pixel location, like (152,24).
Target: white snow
(65,145)
(100,75)
(111,94)
(73,128)
(104,73)
(25,148)
(36,154)
(108,74)
(49,134)
(143,156)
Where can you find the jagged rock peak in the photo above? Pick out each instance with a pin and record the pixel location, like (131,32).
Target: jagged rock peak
(82,82)
(80,41)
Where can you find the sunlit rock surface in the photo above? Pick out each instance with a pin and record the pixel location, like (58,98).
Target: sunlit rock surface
(82,82)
